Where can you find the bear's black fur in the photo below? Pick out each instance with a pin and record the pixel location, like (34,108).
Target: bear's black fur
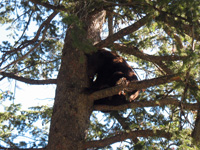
(105,69)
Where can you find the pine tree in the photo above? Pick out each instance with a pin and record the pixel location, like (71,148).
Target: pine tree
(160,37)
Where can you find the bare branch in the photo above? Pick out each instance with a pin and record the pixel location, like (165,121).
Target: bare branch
(136,104)
(135,85)
(130,29)
(45,23)
(110,22)
(123,136)
(27,24)
(26,80)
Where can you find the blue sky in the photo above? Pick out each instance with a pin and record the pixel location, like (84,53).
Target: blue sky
(27,95)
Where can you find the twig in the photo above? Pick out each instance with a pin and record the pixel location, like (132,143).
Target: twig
(128,30)
(46,23)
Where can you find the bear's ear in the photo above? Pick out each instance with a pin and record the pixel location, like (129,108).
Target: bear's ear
(132,75)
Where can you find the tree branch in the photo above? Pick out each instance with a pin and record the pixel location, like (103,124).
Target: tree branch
(123,123)
(154,59)
(174,36)
(123,136)
(26,80)
(47,5)
(45,23)
(135,85)
(26,27)
(110,22)
(152,103)
(178,23)
(132,28)
(136,52)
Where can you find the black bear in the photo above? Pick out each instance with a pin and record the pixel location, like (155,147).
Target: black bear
(107,69)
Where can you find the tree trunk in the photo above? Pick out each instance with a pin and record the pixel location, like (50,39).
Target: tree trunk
(71,113)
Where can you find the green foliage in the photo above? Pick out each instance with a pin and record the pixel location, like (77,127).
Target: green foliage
(72,19)
(6,95)
(160,36)
(26,18)
(82,44)
(78,34)
(16,123)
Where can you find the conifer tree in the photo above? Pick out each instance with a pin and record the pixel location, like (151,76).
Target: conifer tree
(49,44)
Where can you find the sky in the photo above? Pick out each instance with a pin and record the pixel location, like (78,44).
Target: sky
(28,95)
(25,94)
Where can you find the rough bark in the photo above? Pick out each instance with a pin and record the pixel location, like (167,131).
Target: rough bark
(72,109)
(196,130)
